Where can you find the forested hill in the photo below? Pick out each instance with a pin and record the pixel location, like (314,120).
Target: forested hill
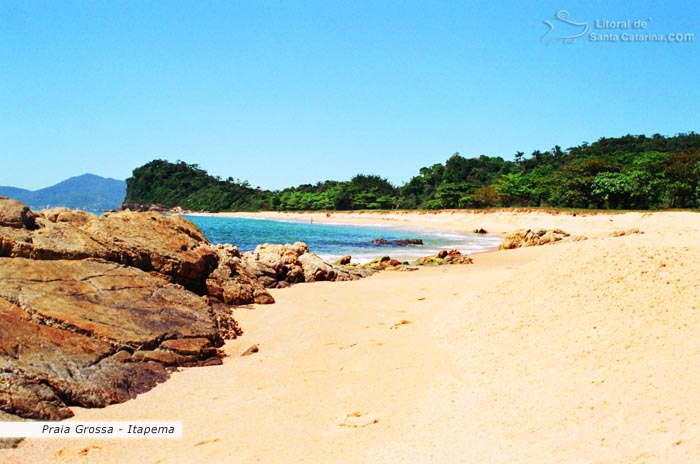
(630,172)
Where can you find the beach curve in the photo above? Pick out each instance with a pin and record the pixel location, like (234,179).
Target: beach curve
(581,351)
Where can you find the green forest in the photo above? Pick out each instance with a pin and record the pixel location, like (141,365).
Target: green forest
(629,172)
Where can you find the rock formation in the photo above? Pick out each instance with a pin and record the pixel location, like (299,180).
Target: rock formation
(232,282)
(445,257)
(171,246)
(94,310)
(91,333)
(535,237)
(97,309)
(278,266)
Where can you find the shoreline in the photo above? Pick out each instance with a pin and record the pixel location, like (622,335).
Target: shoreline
(496,222)
(454,237)
(566,352)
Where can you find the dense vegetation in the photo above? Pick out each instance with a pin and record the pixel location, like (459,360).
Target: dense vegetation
(630,172)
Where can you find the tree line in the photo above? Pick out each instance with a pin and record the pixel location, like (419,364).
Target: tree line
(629,172)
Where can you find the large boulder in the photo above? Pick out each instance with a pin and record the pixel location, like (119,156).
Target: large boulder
(282,265)
(92,333)
(16,215)
(233,283)
(444,257)
(533,237)
(316,270)
(171,246)
(96,309)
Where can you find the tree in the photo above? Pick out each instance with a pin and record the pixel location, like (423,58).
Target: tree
(513,189)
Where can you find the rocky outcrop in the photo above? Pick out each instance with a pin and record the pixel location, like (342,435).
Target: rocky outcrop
(233,283)
(278,266)
(445,257)
(142,208)
(16,215)
(383,263)
(535,237)
(95,310)
(622,233)
(171,246)
(92,333)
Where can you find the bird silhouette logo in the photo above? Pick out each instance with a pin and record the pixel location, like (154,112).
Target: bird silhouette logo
(562,29)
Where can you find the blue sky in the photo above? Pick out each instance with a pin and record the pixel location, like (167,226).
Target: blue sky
(281,93)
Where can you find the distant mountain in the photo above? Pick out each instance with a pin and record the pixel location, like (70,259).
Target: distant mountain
(86,192)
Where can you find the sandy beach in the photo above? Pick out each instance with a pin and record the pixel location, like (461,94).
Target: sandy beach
(498,222)
(575,352)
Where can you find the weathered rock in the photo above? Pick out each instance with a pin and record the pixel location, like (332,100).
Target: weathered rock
(281,265)
(171,246)
(69,326)
(251,350)
(16,215)
(233,283)
(316,270)
(379,264)
(107,301)
(622,233)
(186,346)
(143,208)
(344,260)
(456,257)
(532,237)
(96,309)
(44,370)
(444,257)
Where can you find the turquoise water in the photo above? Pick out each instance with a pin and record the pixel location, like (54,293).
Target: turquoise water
(332,241)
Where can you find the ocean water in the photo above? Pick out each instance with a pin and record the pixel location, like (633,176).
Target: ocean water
(332,241)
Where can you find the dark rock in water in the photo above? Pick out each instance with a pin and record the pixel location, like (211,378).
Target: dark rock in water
(480,231)
(400,242)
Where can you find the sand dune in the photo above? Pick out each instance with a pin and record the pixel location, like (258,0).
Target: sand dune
(575,352)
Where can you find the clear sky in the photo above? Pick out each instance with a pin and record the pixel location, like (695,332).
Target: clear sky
(287,92)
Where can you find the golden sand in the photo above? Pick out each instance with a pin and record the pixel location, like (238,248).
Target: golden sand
(577,352)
